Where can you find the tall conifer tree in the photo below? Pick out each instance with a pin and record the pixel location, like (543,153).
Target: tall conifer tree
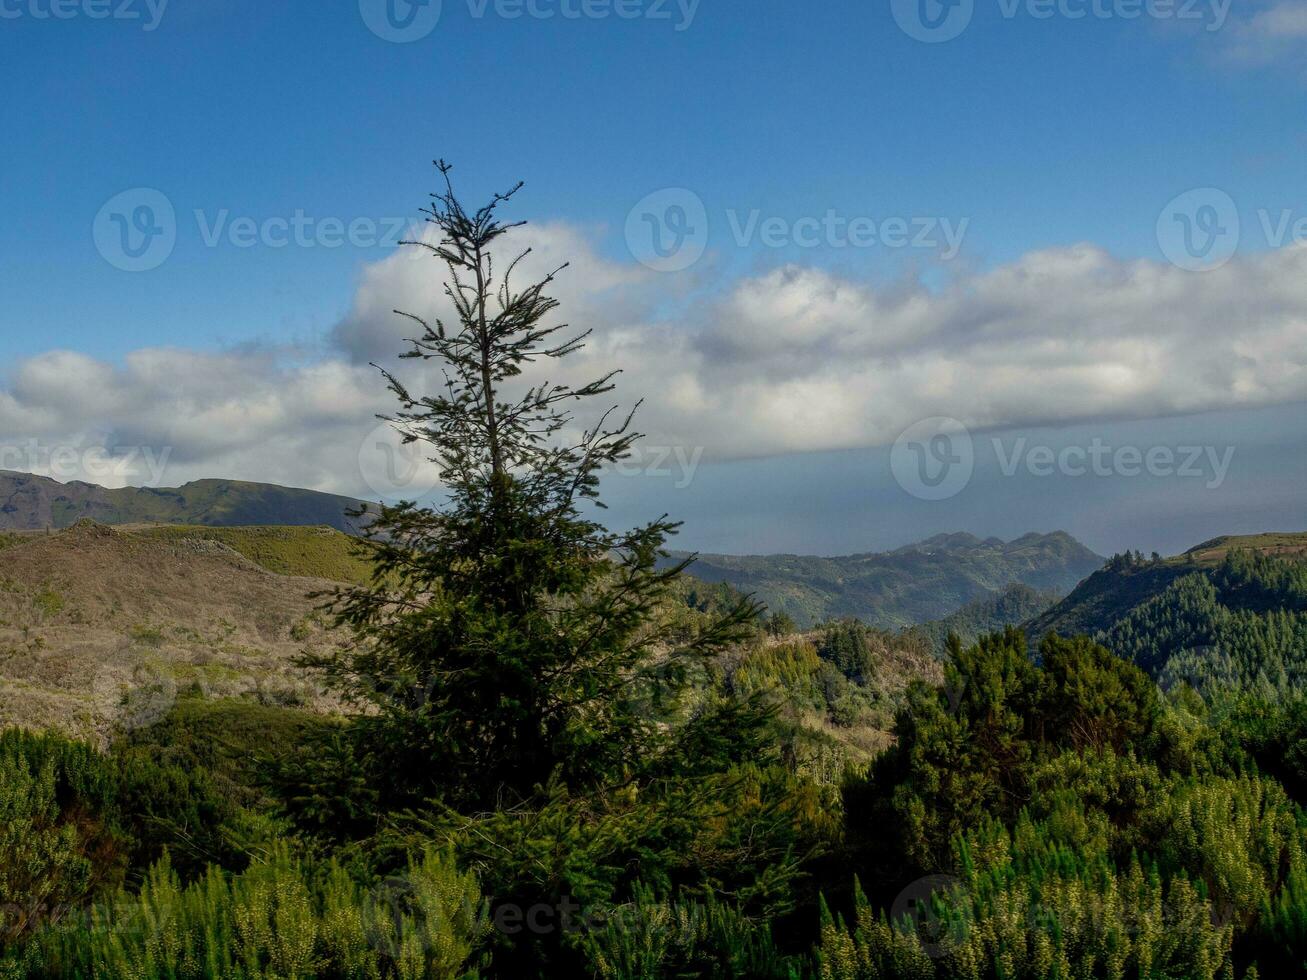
(507,637)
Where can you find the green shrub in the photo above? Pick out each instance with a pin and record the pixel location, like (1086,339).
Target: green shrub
(650,938)
(49,603)
(1067,920)
(282,919)
(56,846)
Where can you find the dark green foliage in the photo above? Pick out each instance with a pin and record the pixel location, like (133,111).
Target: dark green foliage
(58,845)
(1076,823)
(1093,699)
(781,624)
(281,918)
(194,784)
(972,747)
(1104,598)
(1241,625)
(653,937)
(1258,583)
(1061,917)
(1080,825)
(1013,606)
(845,645)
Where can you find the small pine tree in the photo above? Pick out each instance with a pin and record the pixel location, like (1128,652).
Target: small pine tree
(781,623)
(507,638)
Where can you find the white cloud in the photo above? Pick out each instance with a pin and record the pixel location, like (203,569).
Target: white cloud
(1272,33)
(790,360)
(248,414)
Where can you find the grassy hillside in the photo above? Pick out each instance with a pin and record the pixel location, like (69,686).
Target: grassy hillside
(912,585)
(313,552)
(34,502)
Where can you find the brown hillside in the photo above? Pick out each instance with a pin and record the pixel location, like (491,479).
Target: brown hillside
(89,614)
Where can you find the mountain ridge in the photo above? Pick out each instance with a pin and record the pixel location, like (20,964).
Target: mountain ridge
(31,502)
(914,584)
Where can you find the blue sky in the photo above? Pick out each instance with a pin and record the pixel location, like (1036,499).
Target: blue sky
(1037,132)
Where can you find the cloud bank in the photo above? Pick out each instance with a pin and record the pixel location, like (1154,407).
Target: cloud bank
(791,360)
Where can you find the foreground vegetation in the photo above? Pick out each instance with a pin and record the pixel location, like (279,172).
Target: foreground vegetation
(558,757)
(1053,819)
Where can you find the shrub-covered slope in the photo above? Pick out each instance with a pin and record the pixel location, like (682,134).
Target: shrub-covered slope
(1230,613)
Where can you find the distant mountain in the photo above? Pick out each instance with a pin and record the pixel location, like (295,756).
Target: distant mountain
(30,502)
(912,585)
(1231,613)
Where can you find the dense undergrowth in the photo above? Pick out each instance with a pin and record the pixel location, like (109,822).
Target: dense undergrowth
(1060,819)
